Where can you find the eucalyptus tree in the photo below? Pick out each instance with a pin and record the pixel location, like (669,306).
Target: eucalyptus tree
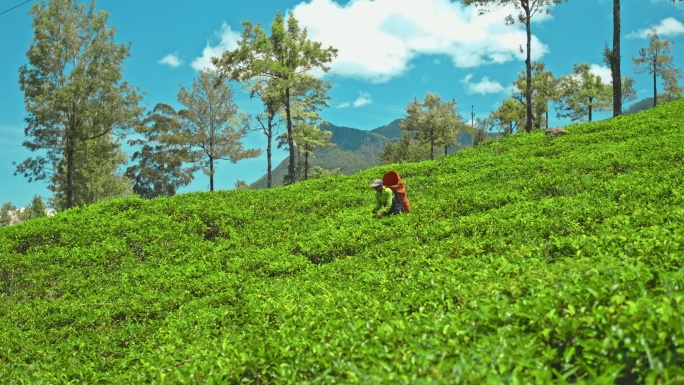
(582,93)
(73,91)
(656,59)
(284,56)
(164,160)
(211,123)
(434,122)
(526,9)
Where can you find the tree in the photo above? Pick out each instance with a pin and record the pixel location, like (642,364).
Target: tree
(544,90)
(284,56)
(7,214)
(481,133)
(434,121)
(309,94)
(526,10)
(96,174)
(509,116)
(73,89)
(242,185)
(656,59)
(163,155)
(210,123)
(582,93)
(34,210)
(407,149)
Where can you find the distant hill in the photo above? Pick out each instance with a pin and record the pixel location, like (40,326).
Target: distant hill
(355,150)
(391,131)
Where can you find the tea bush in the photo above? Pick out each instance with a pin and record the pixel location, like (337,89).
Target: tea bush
(526,260)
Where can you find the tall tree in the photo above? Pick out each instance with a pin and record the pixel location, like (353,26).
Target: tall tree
(582,93)
(211,123)
(283,56)
(96,174)
(614,61)
(73,88)
(656,59)
(435,122)
(526,9)
(164,159)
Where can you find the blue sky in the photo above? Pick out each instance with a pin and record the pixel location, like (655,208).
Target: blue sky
(390,51)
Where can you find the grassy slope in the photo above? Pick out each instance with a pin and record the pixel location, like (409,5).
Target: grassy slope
(526,260)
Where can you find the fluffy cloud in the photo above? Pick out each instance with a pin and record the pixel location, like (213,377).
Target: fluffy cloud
(228,40)
(377,39)
(602,72)
(172,60)
(485,86)
(667,27)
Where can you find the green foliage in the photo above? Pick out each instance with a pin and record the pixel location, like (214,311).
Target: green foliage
(583,93)
(285,58)
(75,100)
(210,123)
(527,259)
(656,59)
(162,156)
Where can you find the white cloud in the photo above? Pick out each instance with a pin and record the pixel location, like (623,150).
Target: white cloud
(667,27)
(228,40)
(172,60)
(376,40)
(602,72)
(363,99)
(485,86)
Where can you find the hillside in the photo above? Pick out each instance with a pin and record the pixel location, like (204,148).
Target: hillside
(525,260)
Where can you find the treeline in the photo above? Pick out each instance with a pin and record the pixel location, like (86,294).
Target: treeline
(80,110)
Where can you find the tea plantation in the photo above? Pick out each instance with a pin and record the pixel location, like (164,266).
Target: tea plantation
(527,260)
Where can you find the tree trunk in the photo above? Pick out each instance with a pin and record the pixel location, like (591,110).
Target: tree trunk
(528,67)
(547,118)
(70,150)
(306,165)
(269,152)
(211,173)
(615,61)
(590,109)
(655,88)
(290,142)
(432,144)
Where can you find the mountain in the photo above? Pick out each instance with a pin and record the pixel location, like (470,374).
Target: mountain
(526,260)
(354,150)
